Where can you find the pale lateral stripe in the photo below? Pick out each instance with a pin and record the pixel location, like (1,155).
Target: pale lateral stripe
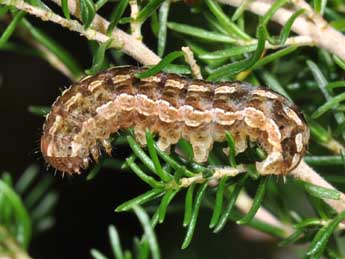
(151,79)
(292,115)
(86,77)
(95,84)
(198,88)
(264,93)
(120,78)
(174,83)
(225,90)
(299,142)
(74,99)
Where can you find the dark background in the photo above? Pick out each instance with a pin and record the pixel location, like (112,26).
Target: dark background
(86,208)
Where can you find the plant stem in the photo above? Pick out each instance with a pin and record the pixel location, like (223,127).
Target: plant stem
(131,46)
(135,25)
(305,173)
(189,58)
(72,25)
(218,174)
(323,36)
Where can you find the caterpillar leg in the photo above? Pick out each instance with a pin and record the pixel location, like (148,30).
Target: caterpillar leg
(201,141)
(95,153)
(107,146)
(271,165)
(169,134)
(140,135)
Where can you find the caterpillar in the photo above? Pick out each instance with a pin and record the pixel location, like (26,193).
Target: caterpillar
(86,114)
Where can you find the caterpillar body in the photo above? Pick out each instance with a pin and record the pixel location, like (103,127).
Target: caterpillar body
(85,115)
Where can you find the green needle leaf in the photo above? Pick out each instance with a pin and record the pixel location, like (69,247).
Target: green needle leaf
(154,23)
(273,83)
(319,6)
(292,238)
(38,192)
(100,4)
(97,254)
(229,52)
(321,192)
(4,10)
(324,160)
(274,56)
(65,9)
(318,133)
(231,69)
(87,12)
(23,219)
(219,203)
(162,31)
(188,208)
(39,110)
(26,179)
(274,7)
(149,234)
(11,27)
(232,150)
(239,11)
(288,25)
(169,160)
(340,62)
(153,154)
(330,104)
(44,207)
(139,152)
(163,63)
(54,48)
(186,148)
(116,15)
(224,20)
(167,198)
(98,59)
(141,199)
(260,193)
(336,84)
(115,243)
(148,10)
(192,224)
(308,222)
(320,240)
(224,218)
(143,176)
(200,33)
(94,171)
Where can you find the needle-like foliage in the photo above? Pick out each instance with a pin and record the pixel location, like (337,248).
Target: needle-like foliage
(26,208)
